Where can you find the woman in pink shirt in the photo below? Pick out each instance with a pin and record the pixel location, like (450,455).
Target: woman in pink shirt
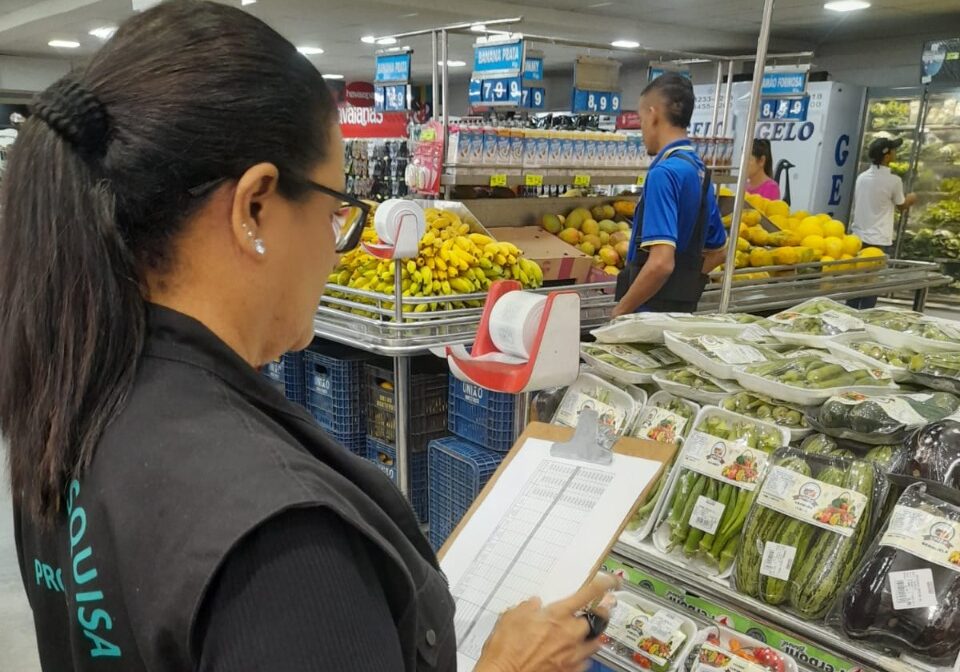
(760,171)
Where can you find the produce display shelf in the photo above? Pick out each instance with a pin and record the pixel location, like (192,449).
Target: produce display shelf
(420,333)
(812,645)
(546,176)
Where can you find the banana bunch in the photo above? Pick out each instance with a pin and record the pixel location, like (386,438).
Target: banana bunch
(451,261)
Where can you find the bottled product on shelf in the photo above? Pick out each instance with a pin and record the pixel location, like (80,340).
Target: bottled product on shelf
(375,169)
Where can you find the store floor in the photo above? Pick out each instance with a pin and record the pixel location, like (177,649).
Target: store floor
(17,641)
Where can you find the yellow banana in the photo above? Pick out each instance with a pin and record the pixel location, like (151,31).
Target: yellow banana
(452,271)
(422,308)
(462,285)
(484,262)
(436,286)
(463,229)
(428,238)
(411,266)
(480,239)
(500,259)
(426,275)
(441,264)
(445,286)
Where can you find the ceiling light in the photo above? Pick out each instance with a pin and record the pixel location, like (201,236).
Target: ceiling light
(453,64)
(310,51)
(333,76)
(244,3)
(846,5)
(625,44)
(479,28)
(63,44)
(385,41)
(104,32)
(368,39)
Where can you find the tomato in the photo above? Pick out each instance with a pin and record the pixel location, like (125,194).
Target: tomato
(641,660)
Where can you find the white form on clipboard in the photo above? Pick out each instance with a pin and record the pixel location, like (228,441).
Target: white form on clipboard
(542,528)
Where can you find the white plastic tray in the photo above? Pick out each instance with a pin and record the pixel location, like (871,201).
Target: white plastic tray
(699,396)
(809,340)
(649,327)
(688,627)
(691,354)
(898,339)
(796,434)
(615,372)
(661,535)
(622,402)
(803,396)
(641,533)
(840,347)
(726,634)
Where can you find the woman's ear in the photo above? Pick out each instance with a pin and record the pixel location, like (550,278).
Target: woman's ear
(252,200)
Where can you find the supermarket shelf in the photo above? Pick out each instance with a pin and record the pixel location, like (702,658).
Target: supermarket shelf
(419,333)
(794,631)
(517,176)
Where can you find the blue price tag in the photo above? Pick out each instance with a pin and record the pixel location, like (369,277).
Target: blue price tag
(390,98)
(504,90)
(784,109)
(533,69)
(533,98)
(475,92)
(783,83)
(503,58)
(392,68)
(596,102)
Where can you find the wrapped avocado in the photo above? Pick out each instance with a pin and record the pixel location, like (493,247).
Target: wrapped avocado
(904,596)
(763,408)
(939,371)
(933,453)
(882,419)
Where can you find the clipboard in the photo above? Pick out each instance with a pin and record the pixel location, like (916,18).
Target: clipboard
(550,527)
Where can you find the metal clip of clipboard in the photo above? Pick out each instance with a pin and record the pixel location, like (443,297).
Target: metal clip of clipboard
(591,442)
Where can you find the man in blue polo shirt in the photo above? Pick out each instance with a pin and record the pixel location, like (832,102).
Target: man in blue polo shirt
(678,235)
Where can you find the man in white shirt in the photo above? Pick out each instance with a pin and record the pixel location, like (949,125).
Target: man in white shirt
(877,196)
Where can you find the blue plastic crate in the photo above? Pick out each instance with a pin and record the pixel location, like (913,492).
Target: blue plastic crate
(458,472)
(384,456)
(335,390)
(355,443)
(427,406)
(481,416)
(289,371)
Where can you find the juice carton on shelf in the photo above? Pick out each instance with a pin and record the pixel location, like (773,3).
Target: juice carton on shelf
(555,155)
(503,146)
(566,148)
(476,146)
(490,137)
(622,146)
(517,144)
(579,157)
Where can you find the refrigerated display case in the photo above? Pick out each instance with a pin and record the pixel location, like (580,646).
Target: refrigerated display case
(930,231)
(892,113)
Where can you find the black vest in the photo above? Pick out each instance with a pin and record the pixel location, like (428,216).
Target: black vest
(204,451)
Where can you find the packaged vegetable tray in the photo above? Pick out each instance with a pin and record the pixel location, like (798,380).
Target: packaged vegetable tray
(764,408)
(716,649)
(723,461)
(645,635)
(938,371)
(628,362)
(904,597)
(813,307)
(926,334)
(649,327)
(817,331)
(810,380)
(883,419)
(861,347)
(667,419)
(889,458)
(615,407)
(933,453)
(717,355)
(695,384)
(807,530)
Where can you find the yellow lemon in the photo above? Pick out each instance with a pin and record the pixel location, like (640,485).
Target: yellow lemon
(814,242)
(760,236)
(828,269)
(780,221)
(778,208)
(793,222)
(851,244)
(809,227)
(726,219)
(741,260)
(823,217)
(743,245)
(757,201)
(834,228)
(833,247)
(724,191)
(750,217)
(799,214)
(871,253)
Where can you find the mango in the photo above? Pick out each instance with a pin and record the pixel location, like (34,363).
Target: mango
(587,248)
(552,224)
(577,217)
(622,248)
(590,227)
(570,236)
(609,256)
(611,270)
(593,239)
(609,226)
(604,237)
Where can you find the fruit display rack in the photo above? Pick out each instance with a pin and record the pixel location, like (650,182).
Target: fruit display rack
(814,647)
(517,176)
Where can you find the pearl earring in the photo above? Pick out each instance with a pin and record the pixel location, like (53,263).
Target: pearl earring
(258,245)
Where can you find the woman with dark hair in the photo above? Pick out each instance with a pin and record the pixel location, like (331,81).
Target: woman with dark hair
(760,171)
(170,215)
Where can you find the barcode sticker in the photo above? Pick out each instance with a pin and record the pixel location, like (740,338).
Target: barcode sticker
(706,514)
(777,560)
(663,625)
(913,589)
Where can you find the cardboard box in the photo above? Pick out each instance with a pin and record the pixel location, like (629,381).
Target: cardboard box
(557,259)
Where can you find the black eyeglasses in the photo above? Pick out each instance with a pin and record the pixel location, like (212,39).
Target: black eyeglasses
(347,221)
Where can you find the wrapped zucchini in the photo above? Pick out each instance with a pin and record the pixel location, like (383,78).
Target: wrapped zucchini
(939,371)
(811,379)
(718,355)
(883,419)
(626,362)
(904,597)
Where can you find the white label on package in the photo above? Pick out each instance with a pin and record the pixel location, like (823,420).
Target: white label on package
(731,352)
(572,406)
(913,589)
(804,498)
(777,560)
(639,359)
(755,334)
(663,356)
(632,627)
(896,407)
(706,514)
(663,425)
(841,322)
(664,626)
(727,461)
(715,659)
(925,535)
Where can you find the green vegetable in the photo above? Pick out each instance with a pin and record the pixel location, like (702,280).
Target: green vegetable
(760,407)
(680,532)
(818,444)
(726,497)
(692,543)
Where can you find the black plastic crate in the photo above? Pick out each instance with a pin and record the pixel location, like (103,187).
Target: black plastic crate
(384,456)
(288,370)
(481,416)
(335,391)
(458,470)
(427,404)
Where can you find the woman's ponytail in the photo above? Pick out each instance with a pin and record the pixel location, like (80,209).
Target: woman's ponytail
(72,323)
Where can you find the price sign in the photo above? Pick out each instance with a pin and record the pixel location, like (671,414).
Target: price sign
(533,68)
(392,68)
(598,102)
(581,180)
(391,98)
(533,98)
(533,180)
(498,180)
(641,179)
(499,58)
(784,109)
(501,91)
(780,83)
